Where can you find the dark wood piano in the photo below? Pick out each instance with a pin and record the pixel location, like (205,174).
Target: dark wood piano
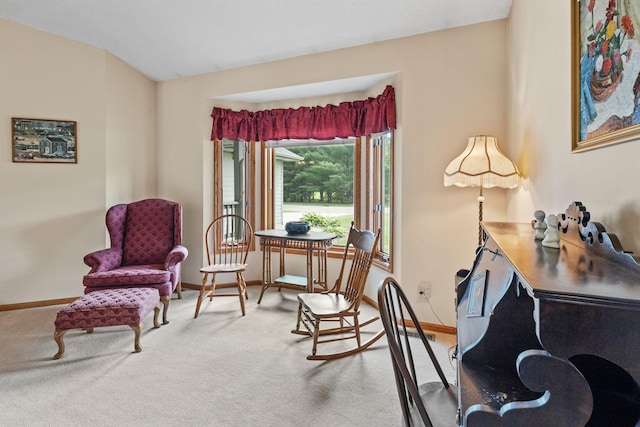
(550,337)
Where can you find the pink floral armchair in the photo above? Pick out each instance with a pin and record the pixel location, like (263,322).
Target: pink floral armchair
(146,250)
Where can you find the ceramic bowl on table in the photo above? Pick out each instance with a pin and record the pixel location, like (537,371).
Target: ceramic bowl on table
(297,227)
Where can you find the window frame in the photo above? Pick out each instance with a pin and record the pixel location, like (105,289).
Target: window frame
(249,179)
(368,187)
(375,197)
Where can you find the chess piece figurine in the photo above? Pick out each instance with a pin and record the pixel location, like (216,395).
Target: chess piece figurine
(539,225)
(551,234)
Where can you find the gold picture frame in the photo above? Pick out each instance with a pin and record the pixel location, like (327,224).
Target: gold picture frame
(43,141)
(605,72)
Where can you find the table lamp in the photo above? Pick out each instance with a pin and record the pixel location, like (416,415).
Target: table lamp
(483,165)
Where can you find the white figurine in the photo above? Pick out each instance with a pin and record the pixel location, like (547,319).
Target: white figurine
(551,235)
(540,226)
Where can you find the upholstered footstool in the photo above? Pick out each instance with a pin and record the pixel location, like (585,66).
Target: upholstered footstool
(109,307)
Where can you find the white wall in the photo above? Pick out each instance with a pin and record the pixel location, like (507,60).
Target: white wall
(130,134)
(449,85)
(53,214)
(605,179)
(509,78)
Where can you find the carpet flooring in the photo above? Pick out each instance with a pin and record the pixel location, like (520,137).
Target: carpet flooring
(221,369)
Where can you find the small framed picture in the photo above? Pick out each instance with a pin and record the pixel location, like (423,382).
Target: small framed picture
(477,293)
(44,141)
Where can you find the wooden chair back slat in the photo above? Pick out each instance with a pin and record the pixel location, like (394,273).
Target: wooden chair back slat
(228,240)
(364,245)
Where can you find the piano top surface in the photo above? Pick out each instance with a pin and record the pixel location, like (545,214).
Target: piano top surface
(572,271)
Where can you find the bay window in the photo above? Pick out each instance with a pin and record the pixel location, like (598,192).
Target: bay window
(330,184)
(304,174)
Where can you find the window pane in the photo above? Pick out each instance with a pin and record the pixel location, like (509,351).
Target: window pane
(380,193)
(233,177)
(317,186)
(386,193)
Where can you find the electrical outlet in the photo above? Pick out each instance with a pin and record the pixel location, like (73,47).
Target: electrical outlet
(424,290)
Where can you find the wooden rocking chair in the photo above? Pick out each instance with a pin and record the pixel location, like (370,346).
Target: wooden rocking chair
(338,305)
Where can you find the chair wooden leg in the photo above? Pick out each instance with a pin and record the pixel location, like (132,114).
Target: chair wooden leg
(137,329)
(165,300)
(156,313)
(213,287)
(58,337)
(316,334)
(242,291)
(241,280)
(179,289)
(202,288)
(297,329)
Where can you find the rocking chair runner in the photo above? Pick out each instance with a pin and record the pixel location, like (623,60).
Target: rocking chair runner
(341,306)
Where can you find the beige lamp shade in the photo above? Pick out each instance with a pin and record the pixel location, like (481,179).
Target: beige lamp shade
(482,164)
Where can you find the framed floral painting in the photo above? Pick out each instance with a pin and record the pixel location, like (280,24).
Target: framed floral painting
(606,72)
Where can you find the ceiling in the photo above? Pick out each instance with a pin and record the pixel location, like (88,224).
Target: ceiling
(165,39)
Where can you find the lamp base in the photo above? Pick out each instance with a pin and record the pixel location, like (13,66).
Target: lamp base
(480,202)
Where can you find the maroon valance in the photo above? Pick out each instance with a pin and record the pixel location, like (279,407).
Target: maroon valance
(348,119)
